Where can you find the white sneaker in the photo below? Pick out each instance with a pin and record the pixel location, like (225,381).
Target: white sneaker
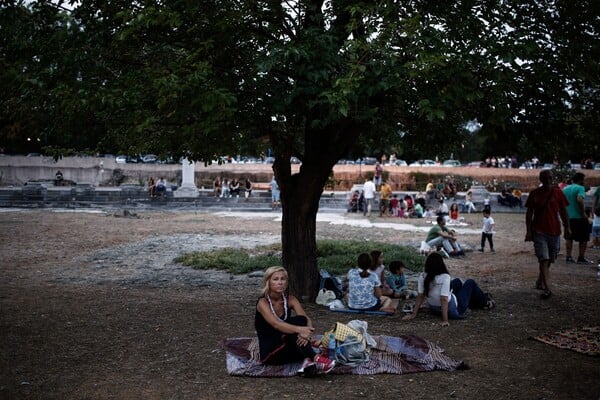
(308,368)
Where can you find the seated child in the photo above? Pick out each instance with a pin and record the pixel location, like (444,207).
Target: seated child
(396,286)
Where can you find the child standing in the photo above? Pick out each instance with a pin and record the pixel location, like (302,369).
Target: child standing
(396,282)
(394,205)
(487,231)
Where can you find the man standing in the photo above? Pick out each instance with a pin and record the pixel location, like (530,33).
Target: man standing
(578,222)
(544,205)
(378,175)
(369,193)
(385,193)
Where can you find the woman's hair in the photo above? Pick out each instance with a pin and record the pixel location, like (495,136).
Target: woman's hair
(364,263)
(375,254)
(267,277)
(395,266)
(454,206)
(434,266)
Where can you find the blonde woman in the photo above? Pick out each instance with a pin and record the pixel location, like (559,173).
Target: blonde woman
(283,337)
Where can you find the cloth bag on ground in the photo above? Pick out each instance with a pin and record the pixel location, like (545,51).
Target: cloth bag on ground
(325,297)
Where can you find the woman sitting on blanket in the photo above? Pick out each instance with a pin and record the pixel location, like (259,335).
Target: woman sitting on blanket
(446,296)
(364,288)
(283,338)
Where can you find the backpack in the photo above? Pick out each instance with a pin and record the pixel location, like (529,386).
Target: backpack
(332,283)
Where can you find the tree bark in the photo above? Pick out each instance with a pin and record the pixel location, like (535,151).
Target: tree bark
(300,195)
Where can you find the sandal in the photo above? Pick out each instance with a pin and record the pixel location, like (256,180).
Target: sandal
(489,305)
(490,302)
(546,294)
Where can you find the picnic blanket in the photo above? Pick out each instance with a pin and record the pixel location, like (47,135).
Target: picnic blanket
(392,355)
(585,340)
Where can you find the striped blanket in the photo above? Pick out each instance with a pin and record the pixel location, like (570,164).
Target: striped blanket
(392,355)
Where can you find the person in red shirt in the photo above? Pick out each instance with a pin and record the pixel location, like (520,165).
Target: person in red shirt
(544,206)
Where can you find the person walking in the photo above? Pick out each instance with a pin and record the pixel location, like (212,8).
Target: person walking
(544,206)
(578,221)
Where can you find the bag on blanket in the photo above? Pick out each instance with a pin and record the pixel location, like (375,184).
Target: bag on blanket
(351,345)
(351,351)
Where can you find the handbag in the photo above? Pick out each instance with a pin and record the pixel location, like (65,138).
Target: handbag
(325,297)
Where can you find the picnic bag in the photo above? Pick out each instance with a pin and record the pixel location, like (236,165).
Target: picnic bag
(351,346)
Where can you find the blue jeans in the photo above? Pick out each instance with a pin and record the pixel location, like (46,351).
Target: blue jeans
(468,295)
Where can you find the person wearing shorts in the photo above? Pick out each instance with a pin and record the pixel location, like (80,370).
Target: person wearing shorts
(580,226)
(544,206)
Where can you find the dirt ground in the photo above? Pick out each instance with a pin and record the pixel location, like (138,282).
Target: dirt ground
(93,307)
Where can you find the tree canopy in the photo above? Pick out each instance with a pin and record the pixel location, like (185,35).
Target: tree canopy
(180,76)
(318,80)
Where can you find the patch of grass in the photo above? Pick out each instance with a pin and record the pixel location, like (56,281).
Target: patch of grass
(233,260)
(335,256)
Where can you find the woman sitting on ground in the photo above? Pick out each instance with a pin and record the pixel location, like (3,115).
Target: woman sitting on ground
(454,212)
(446,296)
(283,338)
(364,288)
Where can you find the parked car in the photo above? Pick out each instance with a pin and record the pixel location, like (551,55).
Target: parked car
(400,163)
(369,161)
(597,167)
(476,164)
(295,160)
(451,163)
(346,162)
(269,160)
(149,159)
(423,163)
(122,159)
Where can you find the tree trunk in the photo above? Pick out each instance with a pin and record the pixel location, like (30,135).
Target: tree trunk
(300,195)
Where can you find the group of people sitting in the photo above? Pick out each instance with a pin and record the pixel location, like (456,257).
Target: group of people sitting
(157,188)
(223,187)
(286,333)
(406,206)
(444,188)
(510,198)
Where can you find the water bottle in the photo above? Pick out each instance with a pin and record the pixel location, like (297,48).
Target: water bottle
(331,347)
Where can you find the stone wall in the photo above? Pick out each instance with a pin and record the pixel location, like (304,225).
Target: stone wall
(17,170)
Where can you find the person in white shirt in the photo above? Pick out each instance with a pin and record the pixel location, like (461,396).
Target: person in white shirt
(487,231)
(443,208)
(448,297)
(369,193)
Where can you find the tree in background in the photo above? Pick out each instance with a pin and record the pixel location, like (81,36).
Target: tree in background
(316,80)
